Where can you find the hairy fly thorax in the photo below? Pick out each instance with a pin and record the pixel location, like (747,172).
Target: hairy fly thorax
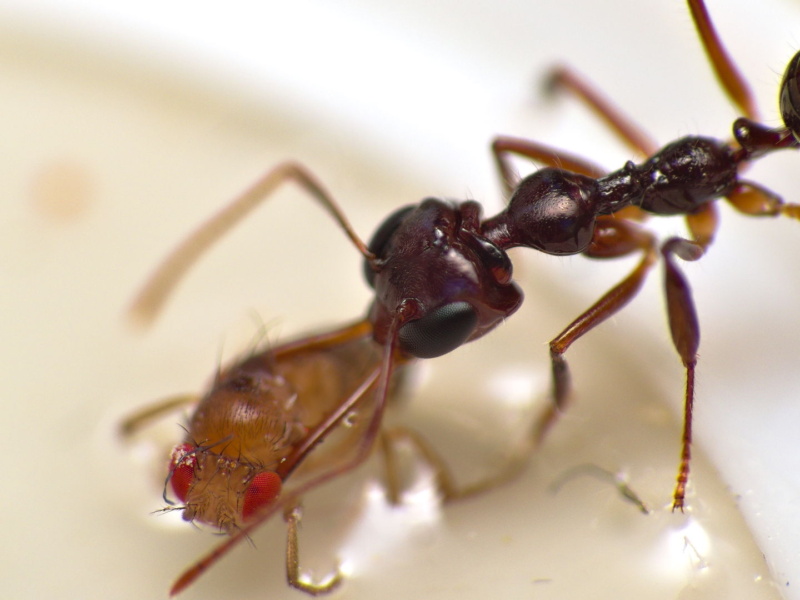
(240,433)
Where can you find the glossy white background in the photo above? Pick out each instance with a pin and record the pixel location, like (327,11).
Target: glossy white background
(150,116)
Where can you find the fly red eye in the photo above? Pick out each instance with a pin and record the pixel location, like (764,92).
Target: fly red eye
(182,470)
(263,489)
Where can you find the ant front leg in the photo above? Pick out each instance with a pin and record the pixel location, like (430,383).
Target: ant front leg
(612,238)
(292,517)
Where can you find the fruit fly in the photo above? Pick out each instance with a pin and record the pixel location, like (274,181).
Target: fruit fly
(442,277)
(258,424)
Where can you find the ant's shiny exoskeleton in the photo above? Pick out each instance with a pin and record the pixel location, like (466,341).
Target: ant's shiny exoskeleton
(441,278)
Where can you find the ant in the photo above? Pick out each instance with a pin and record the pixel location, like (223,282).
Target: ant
(442,278)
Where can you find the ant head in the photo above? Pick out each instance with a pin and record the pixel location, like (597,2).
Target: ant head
(437,279)
(219,491)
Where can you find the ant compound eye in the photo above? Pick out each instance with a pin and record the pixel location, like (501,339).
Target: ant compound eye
(181,474)
(263,489)
(440,331)
(377,244)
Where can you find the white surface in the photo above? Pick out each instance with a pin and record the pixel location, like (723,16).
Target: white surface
(155,115)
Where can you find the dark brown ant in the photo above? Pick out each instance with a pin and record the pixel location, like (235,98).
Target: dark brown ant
(442,277)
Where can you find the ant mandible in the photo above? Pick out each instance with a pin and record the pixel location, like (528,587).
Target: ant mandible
(442,278)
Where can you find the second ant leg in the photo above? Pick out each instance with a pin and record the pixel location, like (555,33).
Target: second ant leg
(504,146)
(613,238)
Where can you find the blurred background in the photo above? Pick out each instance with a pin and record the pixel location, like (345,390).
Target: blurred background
(127,124)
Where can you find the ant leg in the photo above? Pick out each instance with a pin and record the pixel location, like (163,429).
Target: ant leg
(563,78)
(143,417)
(443,478)
(703,224)
(612,238)
(365,390)
(685,332)
(755,200)
(292,516)
(727,74)
(161,283)
(616,479)
(504,146)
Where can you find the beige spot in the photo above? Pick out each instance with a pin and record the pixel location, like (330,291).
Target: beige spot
(62,190)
